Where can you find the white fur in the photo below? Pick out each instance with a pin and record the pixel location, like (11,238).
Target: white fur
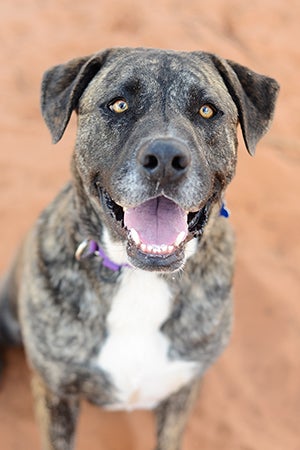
(135,354)
(190,249)
(115,250)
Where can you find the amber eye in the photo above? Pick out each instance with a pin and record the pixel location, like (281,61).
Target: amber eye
(206,111)
(118,106)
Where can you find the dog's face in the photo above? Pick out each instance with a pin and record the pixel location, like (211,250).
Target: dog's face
(158,139)
(156,142)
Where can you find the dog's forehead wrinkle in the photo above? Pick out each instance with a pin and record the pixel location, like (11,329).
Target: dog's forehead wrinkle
(132,70)
(135,67)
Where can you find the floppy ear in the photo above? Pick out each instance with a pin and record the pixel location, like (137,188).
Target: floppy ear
(254,96)
(62,86)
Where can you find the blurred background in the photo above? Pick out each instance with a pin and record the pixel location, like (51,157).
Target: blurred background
(251,397)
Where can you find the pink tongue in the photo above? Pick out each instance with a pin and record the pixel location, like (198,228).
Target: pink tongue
(157,221)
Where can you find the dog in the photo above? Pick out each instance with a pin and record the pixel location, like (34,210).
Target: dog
(121,293)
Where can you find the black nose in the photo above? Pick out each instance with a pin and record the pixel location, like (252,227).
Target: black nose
(164,160)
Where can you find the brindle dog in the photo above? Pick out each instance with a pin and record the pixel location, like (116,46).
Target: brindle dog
(121,293)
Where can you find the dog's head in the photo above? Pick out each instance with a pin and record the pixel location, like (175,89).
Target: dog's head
(156,142)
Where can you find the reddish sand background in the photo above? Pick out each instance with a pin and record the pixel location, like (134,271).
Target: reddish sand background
(251,397)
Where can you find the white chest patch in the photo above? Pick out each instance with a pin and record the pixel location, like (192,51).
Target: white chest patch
(135,354)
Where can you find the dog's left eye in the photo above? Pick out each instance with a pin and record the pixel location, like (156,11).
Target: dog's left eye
(207,111)
(118,105)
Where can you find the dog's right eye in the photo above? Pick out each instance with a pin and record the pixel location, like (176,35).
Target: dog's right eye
(207,111)
(118,105)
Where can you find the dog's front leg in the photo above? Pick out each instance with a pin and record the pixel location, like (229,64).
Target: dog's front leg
(172,415)
(56,416)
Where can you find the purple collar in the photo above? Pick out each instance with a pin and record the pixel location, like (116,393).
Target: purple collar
(89,247)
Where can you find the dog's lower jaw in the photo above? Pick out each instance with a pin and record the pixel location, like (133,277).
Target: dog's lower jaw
(164,263)
(124,253)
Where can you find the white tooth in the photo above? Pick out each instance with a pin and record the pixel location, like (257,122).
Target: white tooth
(135,236)
(157,249)
(179,238)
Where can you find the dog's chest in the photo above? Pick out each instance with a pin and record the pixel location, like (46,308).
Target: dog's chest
(135,354)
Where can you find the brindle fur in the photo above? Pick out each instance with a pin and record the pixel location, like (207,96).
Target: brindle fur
(59,304)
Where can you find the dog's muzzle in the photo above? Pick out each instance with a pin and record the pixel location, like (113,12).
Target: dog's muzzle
(158,229)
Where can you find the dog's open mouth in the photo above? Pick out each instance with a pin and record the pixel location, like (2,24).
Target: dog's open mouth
(157,230)
(157,226)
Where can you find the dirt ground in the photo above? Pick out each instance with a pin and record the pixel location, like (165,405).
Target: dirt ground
(251,397)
